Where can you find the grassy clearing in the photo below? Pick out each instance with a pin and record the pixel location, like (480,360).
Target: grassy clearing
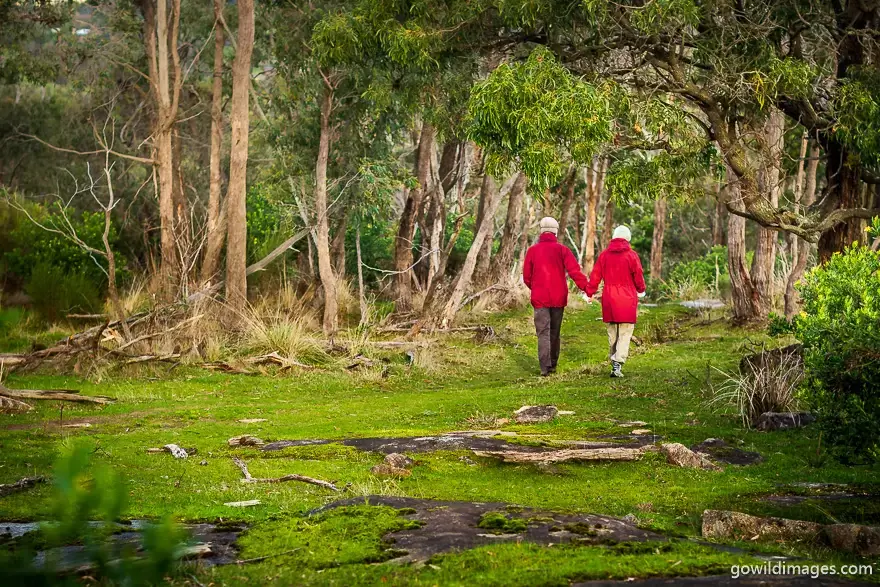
(454,384)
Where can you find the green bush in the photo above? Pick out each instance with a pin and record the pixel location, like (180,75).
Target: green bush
(54,292)
(88,501)
(708,271)
(31,246)
(840,330)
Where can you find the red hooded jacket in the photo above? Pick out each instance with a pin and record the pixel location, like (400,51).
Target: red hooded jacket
(547,262)
(621,269)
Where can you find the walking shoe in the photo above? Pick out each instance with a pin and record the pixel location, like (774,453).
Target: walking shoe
(615,369)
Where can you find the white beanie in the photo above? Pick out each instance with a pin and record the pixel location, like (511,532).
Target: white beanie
(622,232)
(549,224)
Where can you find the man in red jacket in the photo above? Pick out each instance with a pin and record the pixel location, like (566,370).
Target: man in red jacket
(544,273)
(621,270)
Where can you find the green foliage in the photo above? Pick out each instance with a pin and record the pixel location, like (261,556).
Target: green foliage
(268,223)
(538,115)
(87,503)
(840,330)
(778,325)
(708,271)
(54,292)
(31,246)
(858,114)
(653,18)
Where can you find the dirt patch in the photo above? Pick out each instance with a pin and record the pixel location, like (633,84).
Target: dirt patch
(450,526)
(718,450)
(728,581)
(115,419)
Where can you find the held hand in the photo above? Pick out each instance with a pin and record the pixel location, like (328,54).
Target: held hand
(642,294)
(587,298)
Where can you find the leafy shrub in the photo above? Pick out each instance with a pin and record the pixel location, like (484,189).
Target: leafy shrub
(31,246)
(54,292)
(708,271)
(86,505)
(840,330)
(778,325)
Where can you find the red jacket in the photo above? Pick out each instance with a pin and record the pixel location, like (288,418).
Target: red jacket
(621,269)
(547,262)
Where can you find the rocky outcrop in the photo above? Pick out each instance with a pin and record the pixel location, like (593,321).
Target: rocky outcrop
(718,450)
(781,420)
(852,538)
(535,414)
(681,456)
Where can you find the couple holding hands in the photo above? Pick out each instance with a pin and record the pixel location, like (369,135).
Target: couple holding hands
(547,265)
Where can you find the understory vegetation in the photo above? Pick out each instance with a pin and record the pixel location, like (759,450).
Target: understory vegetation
(454,383)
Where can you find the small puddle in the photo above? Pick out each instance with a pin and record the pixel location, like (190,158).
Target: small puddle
(214,544)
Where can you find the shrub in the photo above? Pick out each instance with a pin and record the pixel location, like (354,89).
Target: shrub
(707,270)
(840,330)
(31,246)
(55,293)
(86,505)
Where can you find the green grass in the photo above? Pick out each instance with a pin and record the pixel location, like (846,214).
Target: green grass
(455,382)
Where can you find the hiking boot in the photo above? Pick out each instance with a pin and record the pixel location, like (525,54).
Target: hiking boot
(615,369)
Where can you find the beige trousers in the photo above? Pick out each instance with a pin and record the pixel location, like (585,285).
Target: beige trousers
(619,335)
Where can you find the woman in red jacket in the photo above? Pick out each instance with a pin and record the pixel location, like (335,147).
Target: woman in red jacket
(621,270)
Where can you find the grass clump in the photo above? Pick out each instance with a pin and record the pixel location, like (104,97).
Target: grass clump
(498,523)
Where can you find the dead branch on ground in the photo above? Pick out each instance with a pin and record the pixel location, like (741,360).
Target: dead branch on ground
(249,479)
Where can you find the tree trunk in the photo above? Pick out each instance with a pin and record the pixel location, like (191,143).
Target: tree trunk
(322,235)
(746,304)
(843,191)
(506,249)
(161,45)
(216,212)
(236,247)
(488,191)
(567,202)
(470,263)
(608,226)
(657,239)
(362,296)
(718,218)
(403,246)
(595,184)
(764,262)
(529,218)
(803,254)
(337,247)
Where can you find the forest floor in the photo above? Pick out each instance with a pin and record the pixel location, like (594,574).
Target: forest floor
(453,384)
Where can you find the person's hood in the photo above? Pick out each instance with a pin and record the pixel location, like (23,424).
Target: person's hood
(547,237)
(618,245)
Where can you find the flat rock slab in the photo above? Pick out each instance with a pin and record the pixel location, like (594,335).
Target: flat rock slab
(769,421)
(449,526)
(278,445)
(728,581)
(718,450)
(475,440)
(535,414)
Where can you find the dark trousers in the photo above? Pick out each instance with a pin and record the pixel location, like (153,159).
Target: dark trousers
(548,322)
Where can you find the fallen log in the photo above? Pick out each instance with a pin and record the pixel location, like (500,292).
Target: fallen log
(66,395)
(20,485)
(310,480)
(9,405)
(560,456)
